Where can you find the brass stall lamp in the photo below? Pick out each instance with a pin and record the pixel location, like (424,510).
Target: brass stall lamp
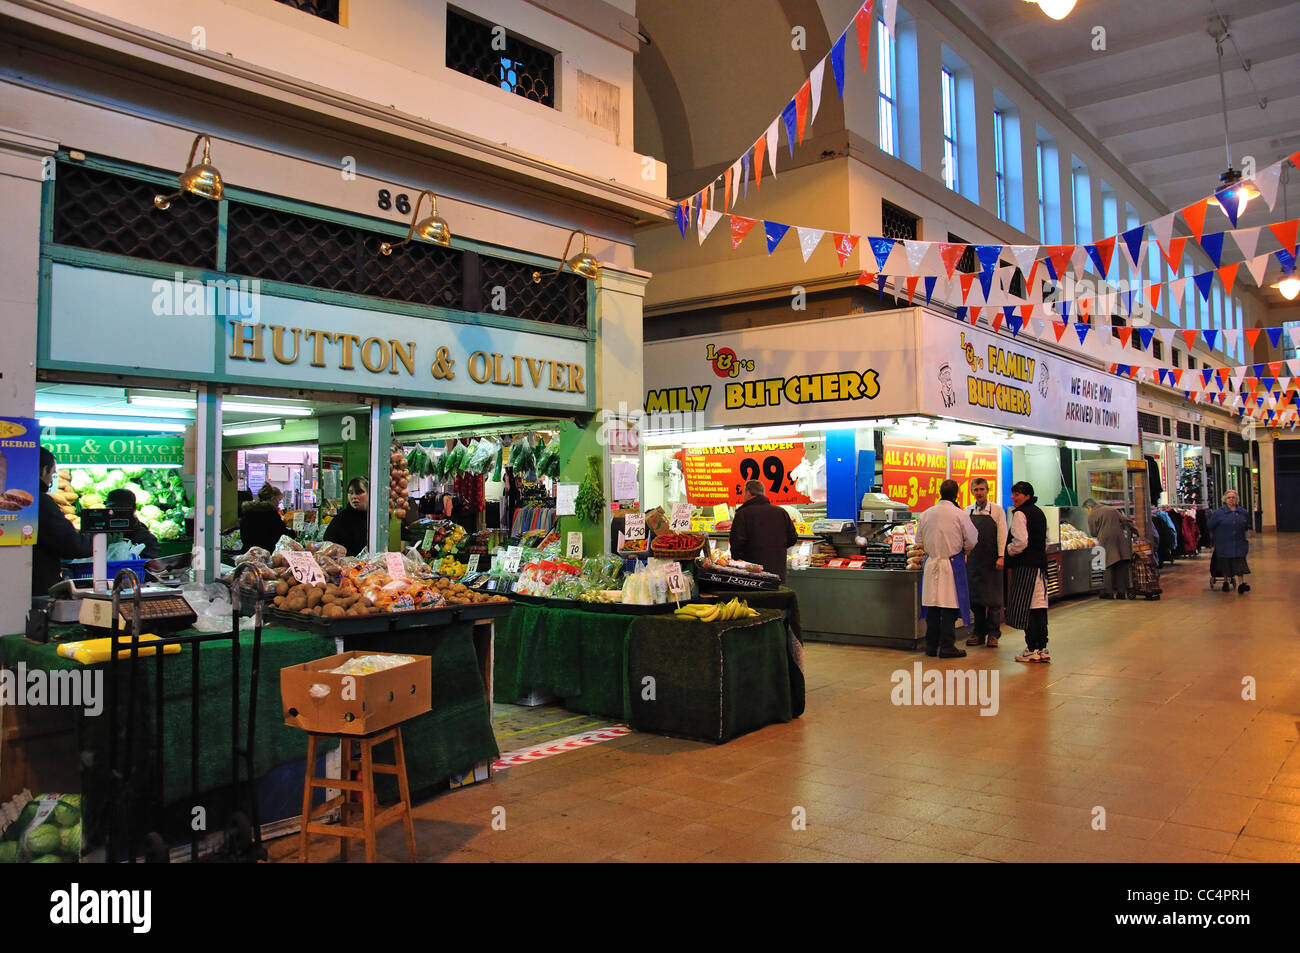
(580,264)
(431,229)
(202,180)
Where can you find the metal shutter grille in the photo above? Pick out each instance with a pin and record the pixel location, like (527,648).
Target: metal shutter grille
(521,68)
(1184,430)
(897,223)
(1165,425)
(1149,423)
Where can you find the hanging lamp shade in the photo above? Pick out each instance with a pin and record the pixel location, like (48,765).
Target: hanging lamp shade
(200,179)
(583,263)
(431,229)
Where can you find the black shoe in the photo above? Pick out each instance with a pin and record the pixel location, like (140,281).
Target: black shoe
(1243,589)
(1227,586)
(932,652)
(953,652)
(1104,595)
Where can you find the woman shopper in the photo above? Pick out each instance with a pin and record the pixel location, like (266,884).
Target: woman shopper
(1229,524)
(1026,560)
(350,526)
(1110,527)
(260,522)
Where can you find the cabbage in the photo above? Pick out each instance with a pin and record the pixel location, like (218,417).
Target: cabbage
(42,839)
(168,529)
(81,480)
(141,496)
(115,477)
(149,513)
(70,840)
(8,852)
(90,501)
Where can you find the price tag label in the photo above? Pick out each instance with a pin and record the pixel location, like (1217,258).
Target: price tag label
(634,525)
(803,529)
(428,538)
(898,543)
(472,565)
(510,561)
(805,549)
(297,522)
(396,568)
(305,568)
(676,580)
(720,512)
(681,519)
(575,546)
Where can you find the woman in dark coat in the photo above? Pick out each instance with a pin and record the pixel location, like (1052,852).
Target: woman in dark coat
(1229,524)
(260,522)
(350,526)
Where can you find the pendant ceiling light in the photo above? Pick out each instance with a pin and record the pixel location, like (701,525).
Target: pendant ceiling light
(202,180)
(432,229)
(581,264)
(1231,179)
(1056,9)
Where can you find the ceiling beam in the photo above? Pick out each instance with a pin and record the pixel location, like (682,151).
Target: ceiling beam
(1155,82)
(1201,110)
(1211,138)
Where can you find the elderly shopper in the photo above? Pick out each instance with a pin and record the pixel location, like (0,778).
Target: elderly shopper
(1229,524)
(947,534)
(1110,527)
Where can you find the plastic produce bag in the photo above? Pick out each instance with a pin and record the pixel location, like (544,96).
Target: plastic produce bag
(122,550)
(47,831)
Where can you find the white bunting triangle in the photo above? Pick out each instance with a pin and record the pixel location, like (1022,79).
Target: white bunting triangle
(808,240)
(1167,335)
(816,78)
(1230,338)
(1295,335)
(736,171)
(708,219)
(1267,181)
(1023,256)
(1163,230)
(771,135)
(1257,266)
(1176,289)
(1283,383)
(1294,365)
(1247,240)
(916,252)
(1037,326)
(889,14)
(1079,261)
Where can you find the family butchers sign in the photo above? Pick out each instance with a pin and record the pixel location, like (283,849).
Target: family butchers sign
(993,379)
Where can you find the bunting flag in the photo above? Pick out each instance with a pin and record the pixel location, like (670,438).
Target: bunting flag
(682,218)
(1211,335)
(1190,338)
(1247,240)
(1267,181)
(891,11)
(1133,245)
(726,190)
(1162,229)
(815,79)
(837,62)
(809,239)
(988,256)
(862,21)
(1228,275)
(774,231)
(866,278)
(966,281)
(881,247)
(1213,247)
(1082,330)
(740,227)
(1275,339)
(951,254)
(1203,283)
(916,252)
(1153,297)
(1057,258)
(1101,253)
(790,117)
(1144,337)
(1286,233)
(760,147)
(1251,335)
(1229,200)
(1124,335)
(1257,266)
(911,287)
(801,108)
(962,312)
(1058,328)
(997,322)
(1286,260)
(975,314)
(844,246)
(1194,216)
(1024,256)
(707,221)
(986,283)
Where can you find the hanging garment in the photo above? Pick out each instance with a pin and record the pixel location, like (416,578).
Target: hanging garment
(1153,477)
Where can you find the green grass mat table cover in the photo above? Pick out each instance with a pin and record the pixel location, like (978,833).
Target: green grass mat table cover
(787,600)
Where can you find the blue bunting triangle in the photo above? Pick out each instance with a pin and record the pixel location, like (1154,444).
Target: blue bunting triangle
(1267,382)
(1133,239)
(1213,245)
(744,171)
(962,311)
(1096,259)
(1051,269)
(1206,374)
(1229,200)
(986,282)
(1145,335)
(1257,370)
(1065,312)
(1287,260)
(837,62)
(881,247)
(1082,330)
(1014,321)
(1210,337)
(789,116)
(1260,400)
(988,256)
(929,290)
(1128,303)
(1203,283)
(1274,336)
(774,231)
(681,218)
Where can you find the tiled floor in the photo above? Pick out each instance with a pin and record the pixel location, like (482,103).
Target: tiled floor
(1140,717)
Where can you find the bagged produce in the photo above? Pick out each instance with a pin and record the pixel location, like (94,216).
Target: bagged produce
(46,831)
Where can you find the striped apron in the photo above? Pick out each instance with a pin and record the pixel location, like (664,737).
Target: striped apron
(1020,595)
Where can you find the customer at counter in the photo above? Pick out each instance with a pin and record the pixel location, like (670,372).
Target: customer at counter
(761,533)
(947,534)
(260,522)
(56,538)
(1110,528)
(350,526)
(138,533)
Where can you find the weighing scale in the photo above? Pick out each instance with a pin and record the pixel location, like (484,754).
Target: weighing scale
(878,508)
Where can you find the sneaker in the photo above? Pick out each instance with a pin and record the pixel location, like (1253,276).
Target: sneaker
(991,641)
(1044,655)
(1028,655)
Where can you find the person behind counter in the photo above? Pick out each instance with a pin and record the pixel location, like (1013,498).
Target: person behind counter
(138,533)
(260,523)
(761,533)
(350,526)
(1110,528)
(56,538)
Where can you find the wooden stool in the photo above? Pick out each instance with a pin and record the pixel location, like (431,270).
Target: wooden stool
(371,817)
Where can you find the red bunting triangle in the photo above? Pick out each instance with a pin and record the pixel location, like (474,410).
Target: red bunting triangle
(1085,310)
(1194,216)
(1033,272)
(1190,338)
(1295,159)
(911,286)
(1114,368)
(1178,375)
(975,314)
(844,245)
(704,201)
(740,227)
(1286,234)
(1124,335)
(801,106)
(1223,375)
(1174,253)
(1133,369)
(1153,295)
(1060,256)
(997,322)
(1275,368)
(760,150)
(1252,335)
(726,189)
(862,20)
(1105,251)
(1059,327)
(1252,383)
(951,254)
(1026,312)
(965,281)
(866,278)
(1228,274)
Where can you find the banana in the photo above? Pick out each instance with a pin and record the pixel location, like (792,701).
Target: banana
(711,615)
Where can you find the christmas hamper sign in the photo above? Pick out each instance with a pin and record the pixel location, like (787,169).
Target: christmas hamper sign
(719,474)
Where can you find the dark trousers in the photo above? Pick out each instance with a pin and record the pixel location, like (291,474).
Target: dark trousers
(1036,631)
(986,621)
(1116,579)
(940,626)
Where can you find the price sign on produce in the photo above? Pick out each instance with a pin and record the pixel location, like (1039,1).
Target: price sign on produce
(898,543)
(681,520)
(396,568)
(676,580)
(472,565)
(575,546)
(510,561)
(634,525)
(428,538)
(297,522)
(305,568)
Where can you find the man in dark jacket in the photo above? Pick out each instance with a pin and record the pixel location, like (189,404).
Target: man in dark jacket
(138,533)
(761,533)
(56,538)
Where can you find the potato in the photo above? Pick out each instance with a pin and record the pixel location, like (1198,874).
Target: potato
(281,588)
(314,596)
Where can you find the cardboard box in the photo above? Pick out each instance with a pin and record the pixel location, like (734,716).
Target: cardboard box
(354,704)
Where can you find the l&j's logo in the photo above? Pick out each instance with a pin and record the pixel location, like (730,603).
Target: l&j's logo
(725,362)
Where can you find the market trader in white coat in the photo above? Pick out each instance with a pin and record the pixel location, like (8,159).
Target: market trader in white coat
(946,534)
